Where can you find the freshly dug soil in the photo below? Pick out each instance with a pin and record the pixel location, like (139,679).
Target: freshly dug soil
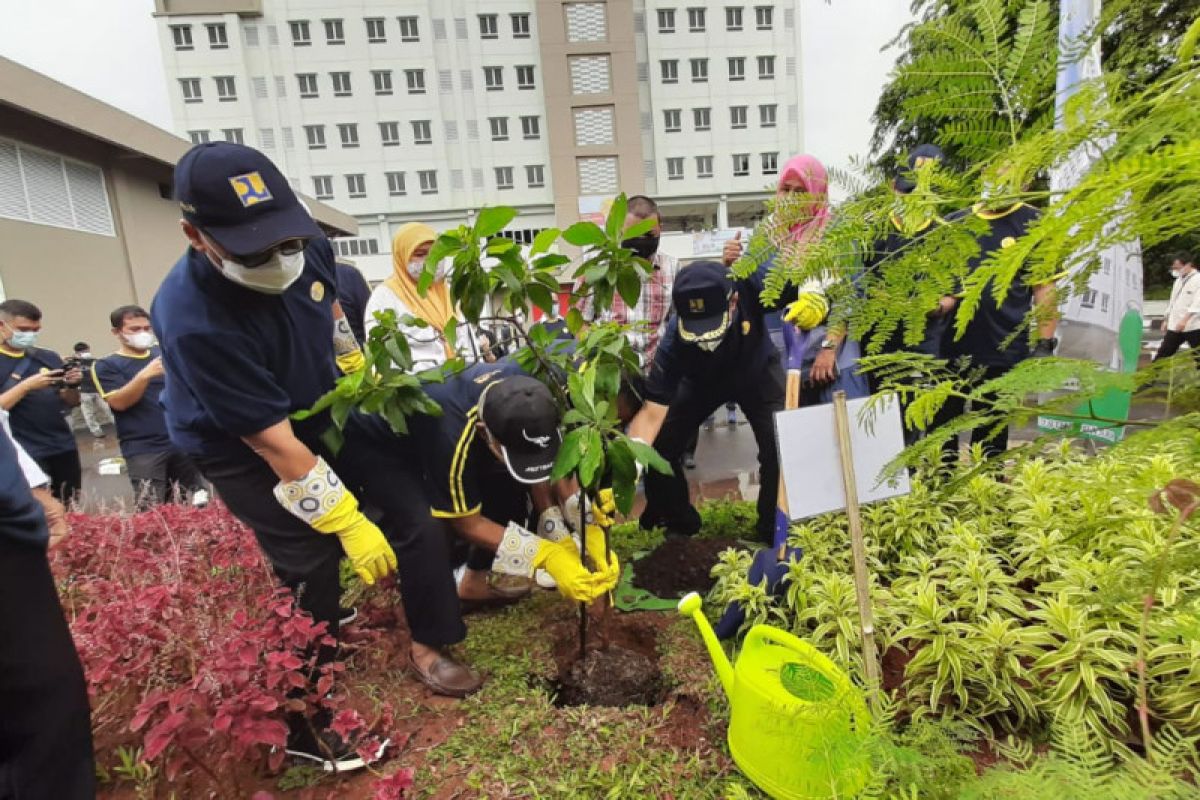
(611,677)
(680,565)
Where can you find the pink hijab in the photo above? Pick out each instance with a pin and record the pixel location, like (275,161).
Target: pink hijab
(811,175)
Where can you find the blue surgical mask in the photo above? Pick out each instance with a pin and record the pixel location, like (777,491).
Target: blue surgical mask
(23,340)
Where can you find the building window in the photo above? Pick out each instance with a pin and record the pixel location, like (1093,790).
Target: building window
(333,32)
(702,119)
(704,167)
(416,80)
(670,71)
(395,182)
(535,176)
(323,187)
(674,169)
(389,134)
(737,116)
(300,34)
(489,27)
(266,138)
(348,133)
(356,185)
(315,135)
(308,84)
(355,247)
(733,18)
(46,189)
(696,20)
(504,177)
(737,69)
(766,68)
(770,163)
(525,77)
(198,137)
(520,26)
(375,30)
(428,180)
(181,35)
(766,116)
(233,135)
(672,120)
(341,83)
(493,78)
(251,34)
(666,20)
(191,90)
(531,127)
(499,126)
(382,78)
(699,70)
(408,29)
(741,164)
(764,17)
(217,38)
(422,134)
(226,90)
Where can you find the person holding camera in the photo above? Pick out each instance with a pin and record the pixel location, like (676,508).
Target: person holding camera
(39,390)
(91,405)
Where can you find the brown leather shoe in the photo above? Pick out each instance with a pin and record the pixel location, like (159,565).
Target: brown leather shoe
(447,676)
(498,597)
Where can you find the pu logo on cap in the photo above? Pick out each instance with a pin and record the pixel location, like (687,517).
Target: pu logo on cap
(250,189)
(696,305)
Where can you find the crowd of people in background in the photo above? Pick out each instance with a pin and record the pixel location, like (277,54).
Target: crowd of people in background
(257,320)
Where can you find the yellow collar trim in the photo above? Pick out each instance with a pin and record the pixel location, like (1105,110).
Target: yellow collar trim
(981,212)
(13,353)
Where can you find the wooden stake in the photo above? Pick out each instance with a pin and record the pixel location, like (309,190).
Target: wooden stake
(841,418)
(791,399)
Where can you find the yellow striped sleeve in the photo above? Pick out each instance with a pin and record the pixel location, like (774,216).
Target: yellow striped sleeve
(455,514)
(103,394)
(459,461)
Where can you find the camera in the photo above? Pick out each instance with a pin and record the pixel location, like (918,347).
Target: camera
(73,362)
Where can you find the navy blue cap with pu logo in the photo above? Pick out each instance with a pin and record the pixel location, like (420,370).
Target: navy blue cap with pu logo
(920,156)
(239,198)
(701,299)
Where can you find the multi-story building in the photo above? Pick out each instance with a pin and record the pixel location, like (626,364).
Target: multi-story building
(398,110)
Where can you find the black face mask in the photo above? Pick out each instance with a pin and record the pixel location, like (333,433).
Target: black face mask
(644,246)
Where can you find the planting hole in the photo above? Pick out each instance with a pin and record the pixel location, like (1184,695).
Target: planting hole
(620,668)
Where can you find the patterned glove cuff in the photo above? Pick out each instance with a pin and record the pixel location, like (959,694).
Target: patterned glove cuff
(551,525)
(516,552)
(312,497)
(343,338)
(571,506)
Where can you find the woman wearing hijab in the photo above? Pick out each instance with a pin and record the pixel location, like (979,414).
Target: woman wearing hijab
(802,199)
(399,293)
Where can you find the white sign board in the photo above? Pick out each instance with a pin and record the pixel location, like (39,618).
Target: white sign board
(811,464)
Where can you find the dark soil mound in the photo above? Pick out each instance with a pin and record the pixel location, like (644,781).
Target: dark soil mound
(679,565)
(611,677)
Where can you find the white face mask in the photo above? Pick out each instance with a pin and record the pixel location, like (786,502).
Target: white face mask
(1175,273)
(84,354)
(417,266)
(273,277)
(142,340)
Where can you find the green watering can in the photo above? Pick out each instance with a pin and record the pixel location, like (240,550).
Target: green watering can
(798,726)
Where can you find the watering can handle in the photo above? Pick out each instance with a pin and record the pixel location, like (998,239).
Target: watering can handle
(761,635)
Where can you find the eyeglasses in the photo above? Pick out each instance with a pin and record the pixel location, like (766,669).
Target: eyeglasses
(289,248)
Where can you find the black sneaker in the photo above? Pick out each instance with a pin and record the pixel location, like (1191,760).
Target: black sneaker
(347,615)
(326,750)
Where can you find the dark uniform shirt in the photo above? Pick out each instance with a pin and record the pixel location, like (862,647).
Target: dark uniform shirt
(21,517)
(457,461)
(141,427)
(997,334)
(239,361)
(353,294)
(744,351)
(884,249)
(39,421)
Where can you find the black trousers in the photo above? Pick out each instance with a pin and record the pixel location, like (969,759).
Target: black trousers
(759,395)
(45,722)
(157,476)
(65,474)
(992,444)
(378,468)
(1172,340)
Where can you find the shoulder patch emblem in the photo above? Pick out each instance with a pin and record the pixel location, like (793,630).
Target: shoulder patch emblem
(317,291)
(1007,241)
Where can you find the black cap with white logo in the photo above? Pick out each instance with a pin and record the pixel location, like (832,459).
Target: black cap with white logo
(521,415)
(922,154)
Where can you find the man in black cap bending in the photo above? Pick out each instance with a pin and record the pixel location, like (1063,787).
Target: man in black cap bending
(715,349)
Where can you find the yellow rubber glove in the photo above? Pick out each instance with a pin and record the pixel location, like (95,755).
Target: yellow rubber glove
(600,512)
(807,311)
(561,560)
(607,573)
(351,362)
(323,501)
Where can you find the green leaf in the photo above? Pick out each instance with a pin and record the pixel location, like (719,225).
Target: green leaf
(647,455)
(451,334)
(543,241)
(541,296)
(492,220)
(624,475)
(592,458)
(616,216)
(500,245)
(638,228)
(568,454)
(584,233)
(574,321)
(629,285)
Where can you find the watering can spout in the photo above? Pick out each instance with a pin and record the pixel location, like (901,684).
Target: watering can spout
(689,606)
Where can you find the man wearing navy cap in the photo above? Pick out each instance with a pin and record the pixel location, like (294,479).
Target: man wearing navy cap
(715,349)
(251,332)
(488,459)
